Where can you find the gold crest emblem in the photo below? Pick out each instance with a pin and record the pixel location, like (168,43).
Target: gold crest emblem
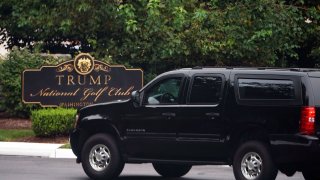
(83,63)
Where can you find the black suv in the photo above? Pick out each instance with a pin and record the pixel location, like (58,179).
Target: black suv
(257,120)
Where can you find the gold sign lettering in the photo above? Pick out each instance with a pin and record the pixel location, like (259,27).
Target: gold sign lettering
(83,79)
(87,92)
(52,92)
(74,104)
(120,92)
(70,80)
(90,92)
(59,79)
(95,81)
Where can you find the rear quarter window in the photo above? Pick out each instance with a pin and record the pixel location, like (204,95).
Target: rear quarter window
(315,83)
(269,90)
(266,89)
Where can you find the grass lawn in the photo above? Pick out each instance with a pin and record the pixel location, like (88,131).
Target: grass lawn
(12,134)
(66,146)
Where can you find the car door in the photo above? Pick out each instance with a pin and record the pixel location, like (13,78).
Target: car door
(150,130)
(200,123)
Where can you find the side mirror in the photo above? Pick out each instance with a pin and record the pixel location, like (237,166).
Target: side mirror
(135,97)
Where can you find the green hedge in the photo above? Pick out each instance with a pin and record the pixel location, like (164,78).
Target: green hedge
(52,121)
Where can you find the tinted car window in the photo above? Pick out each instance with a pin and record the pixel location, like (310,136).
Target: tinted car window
(206,89)
(266,89)
(164,92)
(316,86)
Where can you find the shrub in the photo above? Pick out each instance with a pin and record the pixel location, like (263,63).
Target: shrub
(10,79)
(52,121)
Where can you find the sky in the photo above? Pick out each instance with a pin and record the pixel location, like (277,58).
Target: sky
(3,51)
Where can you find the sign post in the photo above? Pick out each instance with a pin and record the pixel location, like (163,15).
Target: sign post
(80,82)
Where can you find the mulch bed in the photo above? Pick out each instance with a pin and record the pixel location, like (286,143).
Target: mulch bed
(17,123)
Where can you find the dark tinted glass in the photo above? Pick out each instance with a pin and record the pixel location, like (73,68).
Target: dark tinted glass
(315,82)
(165,92)
(266,89)
(206,89)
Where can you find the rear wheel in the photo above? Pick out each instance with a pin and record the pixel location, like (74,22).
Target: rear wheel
(171,170)
(101,158)
(252,161)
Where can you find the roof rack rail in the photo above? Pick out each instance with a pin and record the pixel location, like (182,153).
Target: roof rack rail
(262,68)
(201,67)
(295,69)
(197,67)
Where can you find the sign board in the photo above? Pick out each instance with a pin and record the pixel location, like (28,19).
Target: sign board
(78,83)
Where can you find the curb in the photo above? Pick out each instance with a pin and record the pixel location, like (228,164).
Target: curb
(63,153)
(35,149)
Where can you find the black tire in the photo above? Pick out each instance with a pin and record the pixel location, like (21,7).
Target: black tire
(171,170)
(256,154)
(311,174)
(97,150)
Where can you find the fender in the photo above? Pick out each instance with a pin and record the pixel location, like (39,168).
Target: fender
(93,124)
(245,131)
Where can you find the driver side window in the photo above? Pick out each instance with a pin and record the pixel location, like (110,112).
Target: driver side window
(164,92)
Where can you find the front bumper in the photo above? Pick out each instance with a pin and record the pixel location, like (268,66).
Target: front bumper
(295,149)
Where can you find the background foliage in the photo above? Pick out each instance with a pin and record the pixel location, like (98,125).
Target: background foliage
(11,69)
(53,122)
(160,35)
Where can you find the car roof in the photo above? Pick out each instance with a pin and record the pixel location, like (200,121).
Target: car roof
(247,70)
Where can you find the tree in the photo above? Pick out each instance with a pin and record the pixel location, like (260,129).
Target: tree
(160,35)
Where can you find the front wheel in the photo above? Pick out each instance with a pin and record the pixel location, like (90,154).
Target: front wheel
(171,170)
(101,158)
(252,161)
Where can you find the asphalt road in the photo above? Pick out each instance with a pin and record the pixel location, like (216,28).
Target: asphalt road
(35,168)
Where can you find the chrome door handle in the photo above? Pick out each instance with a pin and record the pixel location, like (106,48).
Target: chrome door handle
(212,115)
(169,115)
